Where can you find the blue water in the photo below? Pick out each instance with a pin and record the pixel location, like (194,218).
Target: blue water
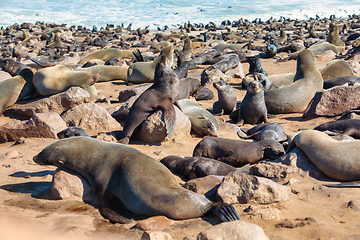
(155,13)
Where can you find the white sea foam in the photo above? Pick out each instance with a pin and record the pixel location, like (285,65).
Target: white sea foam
(155,13)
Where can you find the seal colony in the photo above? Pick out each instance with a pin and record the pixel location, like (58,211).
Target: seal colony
(67,57)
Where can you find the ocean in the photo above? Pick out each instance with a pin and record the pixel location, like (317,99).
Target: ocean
(156,13)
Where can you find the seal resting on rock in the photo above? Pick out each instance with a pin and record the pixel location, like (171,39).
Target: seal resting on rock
(127,180)
(162,94)
(296,97)
(337,159)
(237,152)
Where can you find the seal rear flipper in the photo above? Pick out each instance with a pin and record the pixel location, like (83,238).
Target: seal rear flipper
(138,56)
(226,213)
(169,118)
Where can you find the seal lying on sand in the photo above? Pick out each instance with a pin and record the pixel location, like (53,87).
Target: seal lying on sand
(126,180)
(350,127)
(336,159)
(237,152)
(265,131)
(296,97)
(162,94)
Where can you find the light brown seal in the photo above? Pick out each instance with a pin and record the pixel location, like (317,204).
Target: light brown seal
(144,71)
(296,97)
(105,54)
(107,73)
(52,80)
(336,159)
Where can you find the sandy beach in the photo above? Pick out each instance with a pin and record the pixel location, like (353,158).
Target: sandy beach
(28,211)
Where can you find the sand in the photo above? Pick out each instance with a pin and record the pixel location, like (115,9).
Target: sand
(312,212)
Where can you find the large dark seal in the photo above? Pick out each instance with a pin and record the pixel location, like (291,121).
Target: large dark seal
(196,167)
(188,86)
(227,98)
(296,97)
(338,81)
(161,95)
(350,127)
(337,159)
(11,66)
(255,65)
(253,109)
(125,179)
(237,152)
(72,132)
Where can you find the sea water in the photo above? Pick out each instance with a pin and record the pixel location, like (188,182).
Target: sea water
(158,13)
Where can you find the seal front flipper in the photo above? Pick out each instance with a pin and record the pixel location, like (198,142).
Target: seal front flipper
(113,209)
(226,213)
(113,216)
(169,117)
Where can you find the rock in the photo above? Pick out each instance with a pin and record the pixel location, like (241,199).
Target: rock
(70,59)
(157,223)
(67,183)
(156,236)
(269,169)
(354,65)
(237,230)
(41,125)
(237,72)
(124,95)
(58,103)
(206,185)
(153,129)
(244,188)
(334,101)
(107,137)
(12,154)
(121,114)
(90,116)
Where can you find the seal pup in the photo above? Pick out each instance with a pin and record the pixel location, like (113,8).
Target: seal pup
(16,88)
(56,79)
(126,180)
(188,86)
(162,94)
(11,66)
(227,98)
(203,94)
(255,65)
(238,153)
(264,131)
(196,167)
(334,37)
(253,109)
(339,160)
(202,121)
(296,97)
(72,132)
(349,127)
(144,71)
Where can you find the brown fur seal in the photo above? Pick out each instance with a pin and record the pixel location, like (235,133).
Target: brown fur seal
(221,47)
(227,98)
(321,47)
(125,179)
(334,37)
(72,132)
(144,71)
(237,152)
(296,97)
(105,54)
(16,88)
(337,159)
(11,66)
(162,94)
(265,131)
(107,72)
(57,79)
(336,68)
(196,167)
(253,109)
(202,121)
(350,127)
(338,81)
(203,94)
(187,87)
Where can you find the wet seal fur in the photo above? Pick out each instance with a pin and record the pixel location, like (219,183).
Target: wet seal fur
(162,94)
(296,97)
(227,98)
(339,160)
(237,152)
(196,167)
